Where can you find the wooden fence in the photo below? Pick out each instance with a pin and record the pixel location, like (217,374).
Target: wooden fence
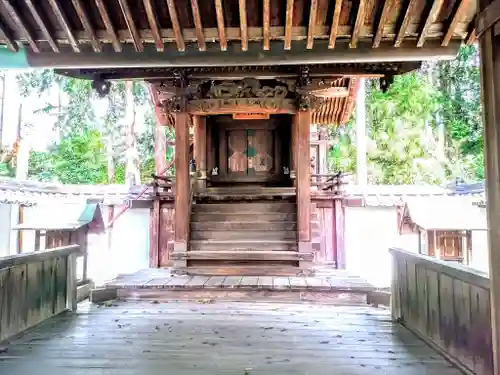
(447,305)
(35,287)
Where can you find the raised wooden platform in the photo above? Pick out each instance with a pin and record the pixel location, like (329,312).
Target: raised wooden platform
(334,286)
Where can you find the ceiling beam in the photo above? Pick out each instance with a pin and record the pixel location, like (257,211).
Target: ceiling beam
(129,20)
(360,20)
(89,29)
(8,37)
(454,22)
(431,17)
(386,10)
(255,56)
(335,24)
(266,17)
(288,24)
(41,24)
(111,32)
(243,25)
(153,25)
(19,21)
(408,15)
(63,21)
(179,39)
(220,25)
(198,26)
(312,23)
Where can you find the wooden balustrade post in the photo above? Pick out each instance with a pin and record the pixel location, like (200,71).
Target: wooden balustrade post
(490,84)
(303,183)
(200,152)
(182,186)
(71,284)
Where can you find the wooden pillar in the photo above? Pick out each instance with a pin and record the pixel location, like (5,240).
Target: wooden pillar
(154,234)
(490,84)
(182,185)
(303,182)
(200,151)
(293,156)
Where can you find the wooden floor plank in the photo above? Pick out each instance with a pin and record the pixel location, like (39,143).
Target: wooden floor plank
(249,282)
(214,282)
(190,338)
(265,282)
(298,283)
(281,283)
(231,282)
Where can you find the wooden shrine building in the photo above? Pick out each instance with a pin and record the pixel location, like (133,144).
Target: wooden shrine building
(251,77)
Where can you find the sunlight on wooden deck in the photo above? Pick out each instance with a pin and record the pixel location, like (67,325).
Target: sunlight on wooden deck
(221,338)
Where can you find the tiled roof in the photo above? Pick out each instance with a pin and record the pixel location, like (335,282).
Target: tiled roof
(397,195)
(33,192)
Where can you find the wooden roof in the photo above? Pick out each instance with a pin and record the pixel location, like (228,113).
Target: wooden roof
(183,28)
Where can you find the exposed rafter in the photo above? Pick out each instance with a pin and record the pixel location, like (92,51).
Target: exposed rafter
(63,21)
(408,14)
(266,16)
(179,39)
(153,24)
(84,18)
(198,25)
(335,23)
(431,17)
(132,28)
(111,33)
(454,21)
(288,24)
(41,24)
(360,19)
(312,23)
(220,25)
(28,34)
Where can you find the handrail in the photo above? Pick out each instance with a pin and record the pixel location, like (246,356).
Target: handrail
(447,305)
(35,287)
(39,256)
(451,269)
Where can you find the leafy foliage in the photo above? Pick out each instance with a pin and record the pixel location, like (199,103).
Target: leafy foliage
(427,128)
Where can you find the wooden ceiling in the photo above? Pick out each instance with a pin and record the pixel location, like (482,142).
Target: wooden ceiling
(94,25)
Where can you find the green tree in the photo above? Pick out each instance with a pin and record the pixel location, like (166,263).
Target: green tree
(79,158)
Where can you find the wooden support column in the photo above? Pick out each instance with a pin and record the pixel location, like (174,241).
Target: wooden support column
(182,185)
(490,83)
(200,152)
(293,161)
(303,182)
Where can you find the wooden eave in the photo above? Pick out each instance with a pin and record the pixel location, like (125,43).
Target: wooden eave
(194,27)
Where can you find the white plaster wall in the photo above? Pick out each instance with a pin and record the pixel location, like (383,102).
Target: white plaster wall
(124,249)
(480,257)
(369,233)
(5,212)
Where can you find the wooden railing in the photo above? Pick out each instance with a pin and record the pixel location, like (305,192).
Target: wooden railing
(328,182)
(447,305)
(35,287)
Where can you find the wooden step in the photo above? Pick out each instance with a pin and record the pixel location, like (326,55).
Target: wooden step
(243,226)
(212,245)
(232,255)
(244,270)
(225,235)
(258,207)
(242,216)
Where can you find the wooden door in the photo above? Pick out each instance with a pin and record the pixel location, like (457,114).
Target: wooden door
(248,153)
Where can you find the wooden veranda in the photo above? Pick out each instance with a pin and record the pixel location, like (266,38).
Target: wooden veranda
(213,65)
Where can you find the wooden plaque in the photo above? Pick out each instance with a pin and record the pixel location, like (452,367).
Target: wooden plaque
(250,116)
